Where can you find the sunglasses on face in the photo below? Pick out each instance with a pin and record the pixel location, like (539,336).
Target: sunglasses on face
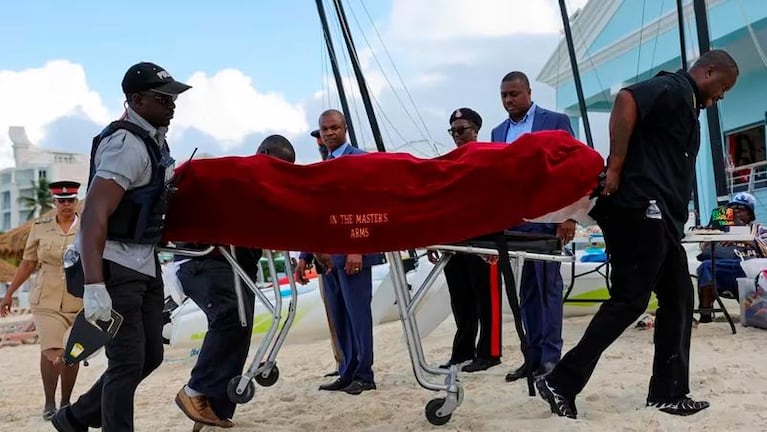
(458,130)
(65,200)
(161,98)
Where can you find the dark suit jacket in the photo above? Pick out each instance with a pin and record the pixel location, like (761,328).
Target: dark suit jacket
(543,120)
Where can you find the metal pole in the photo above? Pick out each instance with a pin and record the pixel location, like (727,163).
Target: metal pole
(576,74)
(360,78)
(682,42)
(683,58)
(336,72)
(712,113)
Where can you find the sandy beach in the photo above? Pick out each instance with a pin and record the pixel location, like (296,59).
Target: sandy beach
(728,370)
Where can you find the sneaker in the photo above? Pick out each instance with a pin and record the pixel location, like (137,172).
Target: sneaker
(681,407)
(560,404)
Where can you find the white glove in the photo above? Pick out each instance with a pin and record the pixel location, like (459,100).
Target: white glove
(96,302)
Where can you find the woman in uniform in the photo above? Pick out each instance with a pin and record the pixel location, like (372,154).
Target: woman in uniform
(53,308)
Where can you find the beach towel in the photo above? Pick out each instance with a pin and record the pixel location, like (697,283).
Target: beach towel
(379,201)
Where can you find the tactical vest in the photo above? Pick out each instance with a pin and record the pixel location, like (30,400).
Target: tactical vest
(140,215)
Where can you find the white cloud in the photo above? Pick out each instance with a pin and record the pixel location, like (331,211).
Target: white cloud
(35,97)
(228,107)
(440,20)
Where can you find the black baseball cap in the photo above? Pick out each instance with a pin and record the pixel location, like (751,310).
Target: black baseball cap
(315,133)
(146,76)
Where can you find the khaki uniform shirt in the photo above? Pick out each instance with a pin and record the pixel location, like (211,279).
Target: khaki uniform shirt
(46,244)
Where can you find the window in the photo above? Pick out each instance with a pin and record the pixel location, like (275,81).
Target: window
(6,221)
(6,200)
(747,150)
(41,174)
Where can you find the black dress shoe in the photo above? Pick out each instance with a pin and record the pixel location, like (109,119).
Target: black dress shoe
(63,423)
(336,385)
(331,374)
(454,362)
(359,386)
(480,364)
(519,373)
(544,369)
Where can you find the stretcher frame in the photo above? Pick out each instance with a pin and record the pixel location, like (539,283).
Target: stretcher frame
(439,411)
(263,368)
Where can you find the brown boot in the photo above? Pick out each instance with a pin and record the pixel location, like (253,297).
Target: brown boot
(197,409)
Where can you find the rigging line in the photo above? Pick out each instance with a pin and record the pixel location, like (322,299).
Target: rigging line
(391,86)
(396,71)
(386,117)
(325,85)
(751,32)
(657,33)
(590,59)
(639,47)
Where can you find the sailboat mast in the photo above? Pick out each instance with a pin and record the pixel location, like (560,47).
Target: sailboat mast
(336,72)
(712,113)
(576,74)
(366,101)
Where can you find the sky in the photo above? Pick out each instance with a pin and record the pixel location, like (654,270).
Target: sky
(260,67)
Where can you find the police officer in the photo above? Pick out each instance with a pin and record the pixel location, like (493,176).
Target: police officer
(209,282)
(476,307)
(53,308)
(121,224)
(654,140)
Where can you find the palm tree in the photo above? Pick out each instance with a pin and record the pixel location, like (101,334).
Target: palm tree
(41,198)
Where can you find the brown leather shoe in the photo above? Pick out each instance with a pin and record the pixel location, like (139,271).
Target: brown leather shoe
(197,409)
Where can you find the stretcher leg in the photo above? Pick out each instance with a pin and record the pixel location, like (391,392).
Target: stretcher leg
(263,369)
(438,411)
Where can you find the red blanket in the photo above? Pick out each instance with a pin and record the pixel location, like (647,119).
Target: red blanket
(379,201)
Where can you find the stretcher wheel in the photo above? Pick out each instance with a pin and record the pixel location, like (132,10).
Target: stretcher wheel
(269,380)
(240,398)
(431,412)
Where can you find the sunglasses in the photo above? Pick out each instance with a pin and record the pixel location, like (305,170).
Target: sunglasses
(65,200)
(459,130)
(161,98)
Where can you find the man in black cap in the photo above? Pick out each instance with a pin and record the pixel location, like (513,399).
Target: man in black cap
(474,301)
(130,173)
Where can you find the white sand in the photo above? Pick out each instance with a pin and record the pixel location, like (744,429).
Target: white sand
(730,371)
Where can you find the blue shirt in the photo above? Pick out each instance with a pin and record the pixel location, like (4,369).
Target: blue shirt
(338,151)
(516,129)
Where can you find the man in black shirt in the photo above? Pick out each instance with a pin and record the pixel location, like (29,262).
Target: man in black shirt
(654,140)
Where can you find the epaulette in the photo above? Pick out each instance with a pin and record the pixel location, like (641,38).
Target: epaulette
(43,220)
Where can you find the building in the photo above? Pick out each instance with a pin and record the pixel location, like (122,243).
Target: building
(619,42)
(31,165)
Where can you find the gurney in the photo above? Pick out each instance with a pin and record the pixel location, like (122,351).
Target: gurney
(517,246)
(390,202)
(263,368)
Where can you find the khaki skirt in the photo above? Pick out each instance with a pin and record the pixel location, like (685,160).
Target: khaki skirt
(51,326)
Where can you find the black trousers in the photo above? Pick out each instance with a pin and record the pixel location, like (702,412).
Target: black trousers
(645,257)
(471,300)
(210,284)
(132,355)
